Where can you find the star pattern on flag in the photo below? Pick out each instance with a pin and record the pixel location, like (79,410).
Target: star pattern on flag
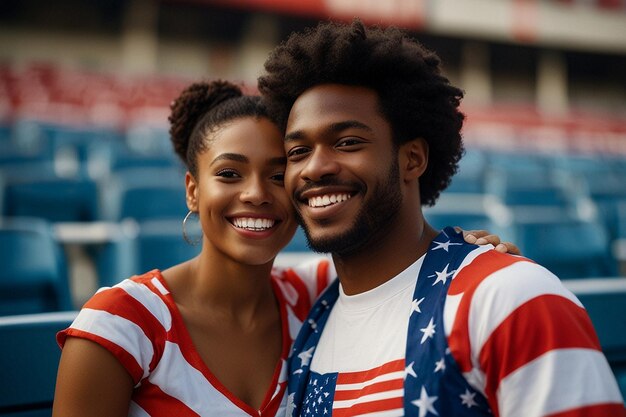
(428,331)
(440,365)
(442,276)
(318,400)
(415,305)
(444,245)
(410,371)
(425,403)
(305,356)
(467,399)
(436,389)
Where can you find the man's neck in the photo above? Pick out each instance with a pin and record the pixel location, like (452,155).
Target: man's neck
(384,258)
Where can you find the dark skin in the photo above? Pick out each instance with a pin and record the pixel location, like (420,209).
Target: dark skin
(224,296)
(337,133)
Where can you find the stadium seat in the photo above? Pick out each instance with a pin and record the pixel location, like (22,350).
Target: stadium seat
(29,358)
(470,176)
(605,302)
(33,276)
(55,199)
(471,212)
(144,193)
(569,248)
(160,244)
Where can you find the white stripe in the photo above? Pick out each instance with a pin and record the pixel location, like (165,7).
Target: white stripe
(124,333)
(152,302)
(449,311)
(136,411)
(155,281)
(294,323)
(397,393)
(178,379)
(396,412)
(380,378)
(500,294)
(557,381)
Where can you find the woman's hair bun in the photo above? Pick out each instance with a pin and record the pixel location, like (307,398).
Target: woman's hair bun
(191,105)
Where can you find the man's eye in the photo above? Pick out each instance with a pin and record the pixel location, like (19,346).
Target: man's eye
(349,142)
(295,152)
(279,177)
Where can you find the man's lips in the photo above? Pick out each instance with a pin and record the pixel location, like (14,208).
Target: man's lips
(326,200)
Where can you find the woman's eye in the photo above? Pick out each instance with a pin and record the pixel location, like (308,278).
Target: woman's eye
(227,173)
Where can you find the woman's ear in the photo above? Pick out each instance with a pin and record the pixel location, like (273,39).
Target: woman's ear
(191,187)
(413,159)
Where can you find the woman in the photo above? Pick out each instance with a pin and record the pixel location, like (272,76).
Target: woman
(209,336)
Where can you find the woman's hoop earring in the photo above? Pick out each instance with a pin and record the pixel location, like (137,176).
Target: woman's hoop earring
(192,242)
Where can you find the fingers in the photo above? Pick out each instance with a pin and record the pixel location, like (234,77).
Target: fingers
(480,237)
(508,247)
(483,237)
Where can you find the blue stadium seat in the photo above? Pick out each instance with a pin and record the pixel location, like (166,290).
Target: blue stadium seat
(29,358)
(160,244)
(605,302)
(569,248)
(33,276)
(471,173)
(471,212)
(144,193)
(55,199)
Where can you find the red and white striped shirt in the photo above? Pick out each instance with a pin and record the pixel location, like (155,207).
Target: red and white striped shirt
(494,306)
(138,321)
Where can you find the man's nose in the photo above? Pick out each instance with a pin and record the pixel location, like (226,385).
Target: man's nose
(321,163)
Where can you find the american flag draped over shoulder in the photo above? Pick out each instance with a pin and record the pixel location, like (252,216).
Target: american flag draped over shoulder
(510,322)
(382,390)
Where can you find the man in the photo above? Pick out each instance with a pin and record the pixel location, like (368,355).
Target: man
(372,133)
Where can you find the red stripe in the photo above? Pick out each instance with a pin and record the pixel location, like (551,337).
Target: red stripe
(466,281)
(303,304)
(126,359)
(126,306)
(597,410)
(507,348)
(377,387)
(369,407)
(322,277)
(363,376)
(158,403)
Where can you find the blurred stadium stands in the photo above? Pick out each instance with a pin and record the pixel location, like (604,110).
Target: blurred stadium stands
(85,158)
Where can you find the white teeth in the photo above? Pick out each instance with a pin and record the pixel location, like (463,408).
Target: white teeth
(255,224)
(327,200)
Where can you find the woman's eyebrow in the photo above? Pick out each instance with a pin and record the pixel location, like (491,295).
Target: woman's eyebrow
(231,157)
(236,157)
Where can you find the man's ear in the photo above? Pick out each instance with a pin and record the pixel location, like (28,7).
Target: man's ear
(191,187)
(413,158)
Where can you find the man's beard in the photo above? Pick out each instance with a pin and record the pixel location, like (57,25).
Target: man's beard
(370,223)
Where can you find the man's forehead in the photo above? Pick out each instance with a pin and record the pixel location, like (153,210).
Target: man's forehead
(333,103)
